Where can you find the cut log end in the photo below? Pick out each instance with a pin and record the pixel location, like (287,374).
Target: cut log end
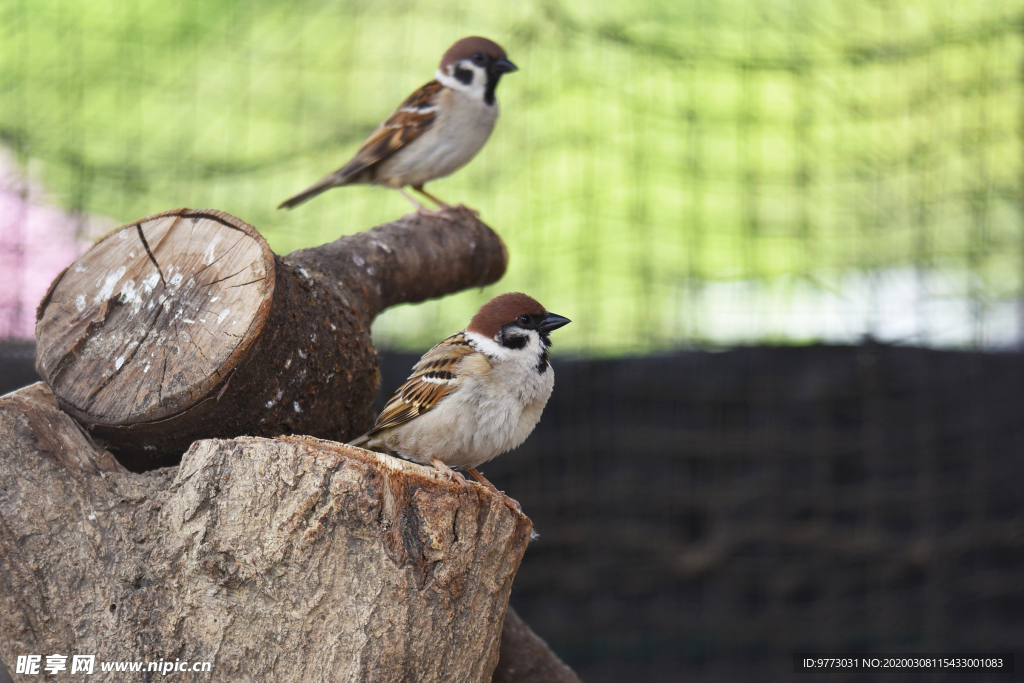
(186,326)
(154,315)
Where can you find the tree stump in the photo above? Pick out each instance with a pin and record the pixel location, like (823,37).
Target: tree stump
(292,559)
(185,325)
(287,559)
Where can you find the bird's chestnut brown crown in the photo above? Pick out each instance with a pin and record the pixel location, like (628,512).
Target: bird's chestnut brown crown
(510,318)
(473,48)
(502,310)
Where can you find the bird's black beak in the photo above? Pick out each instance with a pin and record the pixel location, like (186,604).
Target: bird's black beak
(552,322)
(503,66)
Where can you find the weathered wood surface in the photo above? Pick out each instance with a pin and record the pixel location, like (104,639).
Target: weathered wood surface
(114,317)
(287,560)
(185,325)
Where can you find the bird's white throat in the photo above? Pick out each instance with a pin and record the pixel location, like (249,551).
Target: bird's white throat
(527,357)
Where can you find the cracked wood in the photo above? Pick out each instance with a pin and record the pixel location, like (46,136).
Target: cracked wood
(284,560)
(185,325)
(116,315)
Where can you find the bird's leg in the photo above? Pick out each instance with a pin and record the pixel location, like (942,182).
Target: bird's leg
(449,473)
(483,480)
(419,188)
(420,209)
(444,205)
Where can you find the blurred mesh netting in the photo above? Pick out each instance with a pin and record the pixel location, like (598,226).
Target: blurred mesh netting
(670,175)
(664,173)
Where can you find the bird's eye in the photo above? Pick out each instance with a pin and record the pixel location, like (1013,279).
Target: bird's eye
(523,320)
(478,59)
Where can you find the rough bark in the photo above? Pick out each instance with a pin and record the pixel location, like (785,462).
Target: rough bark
(274,559)
(525,657)
(185,325)
(291,559)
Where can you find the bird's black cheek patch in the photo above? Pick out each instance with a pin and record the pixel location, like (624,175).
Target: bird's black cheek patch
(464,76)
(513,341)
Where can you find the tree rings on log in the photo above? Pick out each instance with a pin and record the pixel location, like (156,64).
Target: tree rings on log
(186,326)
(155,314)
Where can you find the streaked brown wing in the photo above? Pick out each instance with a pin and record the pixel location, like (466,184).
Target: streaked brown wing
(408,122)
(431,380)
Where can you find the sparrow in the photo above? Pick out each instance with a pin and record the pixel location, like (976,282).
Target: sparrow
(435,132)
(477,394)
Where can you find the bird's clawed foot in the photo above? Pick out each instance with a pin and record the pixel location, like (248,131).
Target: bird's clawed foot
(444,208)
(509,500)
(449,473)
(512,502)
(463,207)
(420,209)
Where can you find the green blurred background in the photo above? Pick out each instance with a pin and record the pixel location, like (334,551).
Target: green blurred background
(665,173)
(672,176)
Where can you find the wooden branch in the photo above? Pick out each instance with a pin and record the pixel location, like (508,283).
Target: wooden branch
(411,260)
(526,658)
(185,326)
(287,560)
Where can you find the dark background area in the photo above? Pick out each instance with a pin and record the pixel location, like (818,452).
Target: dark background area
(711,190)
(703,516)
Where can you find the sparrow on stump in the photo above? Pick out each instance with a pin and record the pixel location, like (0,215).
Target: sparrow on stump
(477,394)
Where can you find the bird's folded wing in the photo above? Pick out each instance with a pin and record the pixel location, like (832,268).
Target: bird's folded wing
(432,378)
(408,122)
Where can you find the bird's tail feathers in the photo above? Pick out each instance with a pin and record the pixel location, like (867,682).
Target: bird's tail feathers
(322,186)
(360,441)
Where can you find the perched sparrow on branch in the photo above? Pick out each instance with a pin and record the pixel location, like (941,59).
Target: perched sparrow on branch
(435,132)
(475,395)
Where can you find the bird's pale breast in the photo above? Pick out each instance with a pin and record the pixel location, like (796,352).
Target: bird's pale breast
(462,128)
(483,418)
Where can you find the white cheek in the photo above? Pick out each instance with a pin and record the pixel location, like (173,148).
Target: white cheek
(487,346)
(446,77)
(526,357)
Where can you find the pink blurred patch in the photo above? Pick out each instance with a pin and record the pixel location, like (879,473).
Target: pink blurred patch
(37,241)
